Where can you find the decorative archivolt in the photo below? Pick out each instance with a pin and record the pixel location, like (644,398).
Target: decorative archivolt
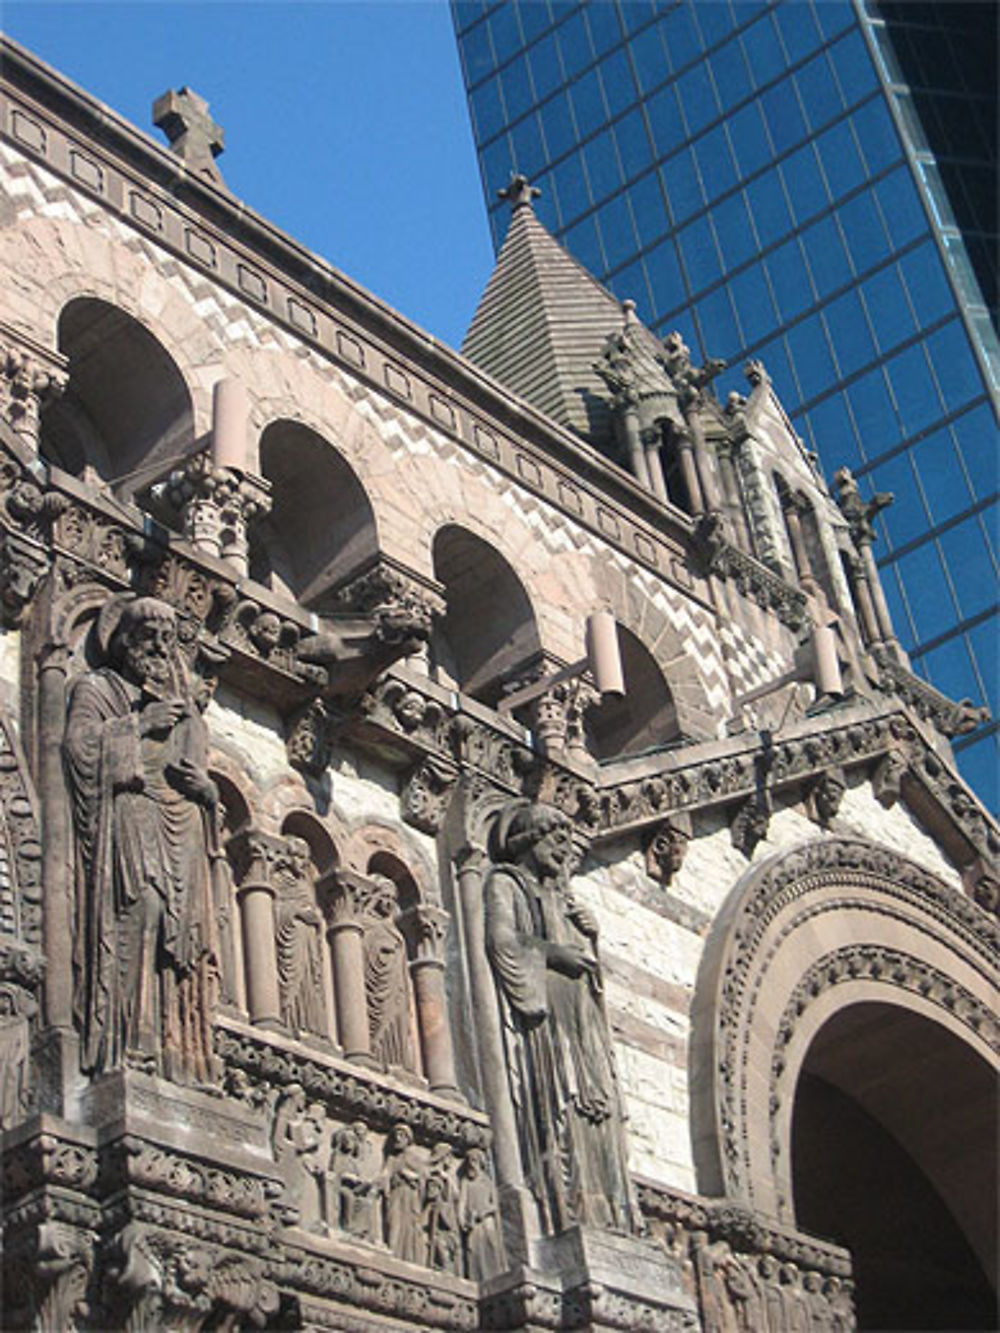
(803,935)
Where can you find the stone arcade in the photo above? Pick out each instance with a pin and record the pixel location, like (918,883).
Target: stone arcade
(334,994)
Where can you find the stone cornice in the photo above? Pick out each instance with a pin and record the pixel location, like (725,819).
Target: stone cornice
(149,188)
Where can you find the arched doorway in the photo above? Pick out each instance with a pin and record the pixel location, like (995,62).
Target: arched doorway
(894,1157)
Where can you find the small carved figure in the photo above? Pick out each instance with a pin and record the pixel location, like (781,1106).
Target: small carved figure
(478,1220)
(356,1177)
(440,1216)
(542,945)
(145,954)
(298,1149)
(387,985)
(15,1052)
(299,939)
(403,1187)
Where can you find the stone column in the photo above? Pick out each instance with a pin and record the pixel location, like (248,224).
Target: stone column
(792,506)
(427,927)
(629,420)
(881,607)
(57,857)
(651,441)
(257,855)
(471,864)
(862,600)
(731,495)
(343,894)
(30,377)
(685,455)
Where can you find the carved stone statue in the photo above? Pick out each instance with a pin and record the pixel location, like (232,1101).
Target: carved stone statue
(440,1216)
(145,956)
(15,1053)
(543,948)
(355,1174)
(478,1220)
(403,1186)
(300,943)
(300,1152)
(387,986)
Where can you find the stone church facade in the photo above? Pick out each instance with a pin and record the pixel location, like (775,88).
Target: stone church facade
(368,959)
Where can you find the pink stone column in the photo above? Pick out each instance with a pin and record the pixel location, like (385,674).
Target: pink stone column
(342,892)
(256,854)
(429,928)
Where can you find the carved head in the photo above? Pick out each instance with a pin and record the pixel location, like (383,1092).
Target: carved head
(383,900)
(299,854)
(146,640)
(400,1138)
(266,632)
(539,833)
(475,1163)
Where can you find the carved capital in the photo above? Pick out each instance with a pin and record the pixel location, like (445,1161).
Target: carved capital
(259,858)
(46,1278)
(217,505)
(428,927)
(30,378)
(344,896)
(23,565)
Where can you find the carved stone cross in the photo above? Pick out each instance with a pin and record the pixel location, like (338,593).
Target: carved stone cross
(194,136)
(520,193)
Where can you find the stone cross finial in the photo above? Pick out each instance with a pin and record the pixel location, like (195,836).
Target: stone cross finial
(520,192)
(194,136)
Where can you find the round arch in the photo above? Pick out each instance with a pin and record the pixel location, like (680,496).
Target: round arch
(321,527)
(489,630)
(129,436)
(803,936)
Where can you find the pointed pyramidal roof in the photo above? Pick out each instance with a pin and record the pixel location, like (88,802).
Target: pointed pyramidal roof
(542,323)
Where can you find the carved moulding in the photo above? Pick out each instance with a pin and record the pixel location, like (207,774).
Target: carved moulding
(825,899)
(745,1272)
(950,717)
(21,897)
(347,1092)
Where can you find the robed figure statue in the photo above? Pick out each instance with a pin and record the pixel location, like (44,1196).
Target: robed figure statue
(145,956)
(542,945)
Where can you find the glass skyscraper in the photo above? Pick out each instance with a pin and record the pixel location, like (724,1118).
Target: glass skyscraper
(811,183)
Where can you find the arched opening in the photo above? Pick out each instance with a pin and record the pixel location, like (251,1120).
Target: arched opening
(645,716)
(894,1156)
(126,413)
(488,632)
(321,527)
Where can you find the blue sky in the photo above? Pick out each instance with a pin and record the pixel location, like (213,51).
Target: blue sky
(346,124)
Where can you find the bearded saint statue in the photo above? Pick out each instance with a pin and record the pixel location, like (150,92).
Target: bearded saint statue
(144,950)
(543,948)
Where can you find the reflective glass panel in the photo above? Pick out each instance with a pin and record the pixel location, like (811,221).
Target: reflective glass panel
(874,411)
(763,50)
(588,102)
(971,564)
(852,341)
(617,81)
(818,91)
(769,207)
(751,144)
(841,160)
(649,207)
(797,25)
(601,161)
(913,388)
(854,66)
(812,356)
(733,227)
(942,475)
(862,225)
(888,309)
(574,43)
(697,98)
(665,120)
(827,255)
(790,279)
(683,185)
(701,258)
(634,148)
(718,171)
(680,36)
(665,280)
(877,135)
(804,182)
(926,283)
(957,372)
(783,115)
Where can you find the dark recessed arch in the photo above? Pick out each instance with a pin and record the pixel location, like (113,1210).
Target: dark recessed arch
(489,631)
(894,1156)
(126,412)
(321,527)
(645,716)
